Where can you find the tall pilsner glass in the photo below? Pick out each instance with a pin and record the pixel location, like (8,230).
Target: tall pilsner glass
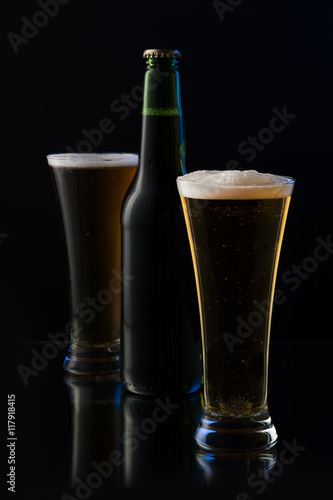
(235,222)
(90,190)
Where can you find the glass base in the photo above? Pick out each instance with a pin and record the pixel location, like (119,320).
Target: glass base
(83,360)
(236,434)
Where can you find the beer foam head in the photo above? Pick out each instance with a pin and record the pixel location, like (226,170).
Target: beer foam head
(234,185)
(86,160)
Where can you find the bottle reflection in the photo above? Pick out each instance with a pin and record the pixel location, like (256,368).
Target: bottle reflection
(157,440)
(96,449)
(126,440)
(239,475)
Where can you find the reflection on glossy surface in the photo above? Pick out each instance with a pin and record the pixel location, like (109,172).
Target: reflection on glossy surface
(240,475)
(126,440)
(96,457)
(60,436)
(157,440)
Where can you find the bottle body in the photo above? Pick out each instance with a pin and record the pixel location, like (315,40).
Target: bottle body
(161,348)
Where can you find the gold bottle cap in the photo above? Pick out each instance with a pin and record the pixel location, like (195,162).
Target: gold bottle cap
(161,53)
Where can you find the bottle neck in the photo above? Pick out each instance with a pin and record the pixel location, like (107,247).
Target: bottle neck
(162,88)
(162,151)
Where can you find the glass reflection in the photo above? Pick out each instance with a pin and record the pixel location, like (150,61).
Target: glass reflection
(240,475)
(96,449)
(125,440)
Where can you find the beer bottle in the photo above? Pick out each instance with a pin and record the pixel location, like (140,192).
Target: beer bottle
(161,347)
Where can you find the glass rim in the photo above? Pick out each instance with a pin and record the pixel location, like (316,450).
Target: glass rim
(84,160)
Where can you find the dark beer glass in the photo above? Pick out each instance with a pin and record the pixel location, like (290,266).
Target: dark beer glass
(235,222)
(90,190)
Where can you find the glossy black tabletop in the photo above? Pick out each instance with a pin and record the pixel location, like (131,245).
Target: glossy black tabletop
(82,438)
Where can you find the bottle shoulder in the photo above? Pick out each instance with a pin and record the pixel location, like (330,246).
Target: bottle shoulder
(151,206)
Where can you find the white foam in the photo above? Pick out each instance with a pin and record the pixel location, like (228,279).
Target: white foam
(86,160)
(234,185)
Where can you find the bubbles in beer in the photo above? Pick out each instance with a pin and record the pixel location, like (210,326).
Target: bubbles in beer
(234,407)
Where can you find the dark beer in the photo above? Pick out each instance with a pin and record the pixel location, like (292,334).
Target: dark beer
(235,234)
(161,346)
(90,191)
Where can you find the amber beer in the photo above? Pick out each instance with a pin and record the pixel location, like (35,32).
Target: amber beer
(235,222)
(90,190)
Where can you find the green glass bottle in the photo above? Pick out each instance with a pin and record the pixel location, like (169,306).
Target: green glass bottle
(161,346)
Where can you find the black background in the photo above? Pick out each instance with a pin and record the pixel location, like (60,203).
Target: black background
(236,67)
